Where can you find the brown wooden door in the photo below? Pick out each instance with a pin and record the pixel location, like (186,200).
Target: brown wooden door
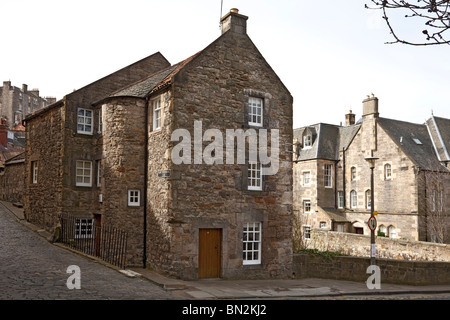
(209,253)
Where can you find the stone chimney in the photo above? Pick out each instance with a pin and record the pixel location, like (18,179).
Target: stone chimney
(349,118)
(24,88)
(370,107)
(234,22)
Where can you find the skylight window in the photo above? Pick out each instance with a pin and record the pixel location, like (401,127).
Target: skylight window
(417,141)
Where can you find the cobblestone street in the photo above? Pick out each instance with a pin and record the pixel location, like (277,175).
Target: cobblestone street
(32,268)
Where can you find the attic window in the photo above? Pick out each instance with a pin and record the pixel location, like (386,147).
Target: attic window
(307,141)
(417,141)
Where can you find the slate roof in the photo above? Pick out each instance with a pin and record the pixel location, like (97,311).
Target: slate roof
(327,140)
(152,83)
(403,134)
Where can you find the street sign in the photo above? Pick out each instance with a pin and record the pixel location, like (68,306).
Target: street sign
(372,223)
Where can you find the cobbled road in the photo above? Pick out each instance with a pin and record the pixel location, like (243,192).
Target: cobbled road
(31,268)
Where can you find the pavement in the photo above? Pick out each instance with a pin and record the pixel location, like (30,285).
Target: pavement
(221,289)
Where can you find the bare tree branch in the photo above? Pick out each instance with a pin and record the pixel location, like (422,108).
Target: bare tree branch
(434,14)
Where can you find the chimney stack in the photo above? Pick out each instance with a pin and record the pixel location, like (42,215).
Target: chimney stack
(235,22)
(370,107)
(349,118)
(24,88)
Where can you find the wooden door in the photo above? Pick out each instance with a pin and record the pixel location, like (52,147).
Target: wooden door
(209,253)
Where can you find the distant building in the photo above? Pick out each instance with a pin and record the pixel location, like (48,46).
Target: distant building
(16,103)
(411,176)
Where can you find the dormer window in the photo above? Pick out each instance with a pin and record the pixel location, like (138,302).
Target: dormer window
(307,141)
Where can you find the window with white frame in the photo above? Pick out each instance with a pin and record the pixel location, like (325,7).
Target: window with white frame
(387,171)
(306,178)
(84,121)
(323,224)
(353,199)
(368,199)
(254,175)
(84,228)
(307,205)
(34,171)
(307,141)
(328,176)
(156,105)
(255,111)
(134,198)
(251,252)
(84,173)
(392,232)
(340,199)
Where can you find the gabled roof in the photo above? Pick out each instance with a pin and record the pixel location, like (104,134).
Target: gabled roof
(414,140)
(328,140)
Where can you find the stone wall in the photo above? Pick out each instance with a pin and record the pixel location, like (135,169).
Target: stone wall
(214,88)
(123,169)
(44,138)
(355,268)
(12,181)
(359,245)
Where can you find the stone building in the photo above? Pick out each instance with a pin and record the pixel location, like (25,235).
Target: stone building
(411,176)
(16,103)
(160,157)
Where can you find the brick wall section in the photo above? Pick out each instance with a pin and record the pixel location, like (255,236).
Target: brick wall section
(354,269)
(359,245)
(214,88)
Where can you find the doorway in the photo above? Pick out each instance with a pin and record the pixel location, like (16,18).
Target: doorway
(209,253)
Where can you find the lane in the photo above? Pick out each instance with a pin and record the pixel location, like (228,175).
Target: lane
(33,268)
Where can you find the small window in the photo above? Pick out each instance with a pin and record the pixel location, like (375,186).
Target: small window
(368,200)
(417,141)
(340,199)
(387,171)
(306,178)
(353,174)
(307,232)
(251,252)
(392,232)
(353,199)
(34,171)
(100,121)
(307,205)
(307,141)
(134,198)
(323,224)
(84,173)
(156,114)
(84,228)
(254,176)
(84,123)
(255,111)
(382,231)
(328,176)
(99,173)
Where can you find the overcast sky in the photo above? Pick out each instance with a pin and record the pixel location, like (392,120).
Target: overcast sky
(330,54)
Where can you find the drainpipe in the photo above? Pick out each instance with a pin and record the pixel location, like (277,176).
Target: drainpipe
(144,255)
